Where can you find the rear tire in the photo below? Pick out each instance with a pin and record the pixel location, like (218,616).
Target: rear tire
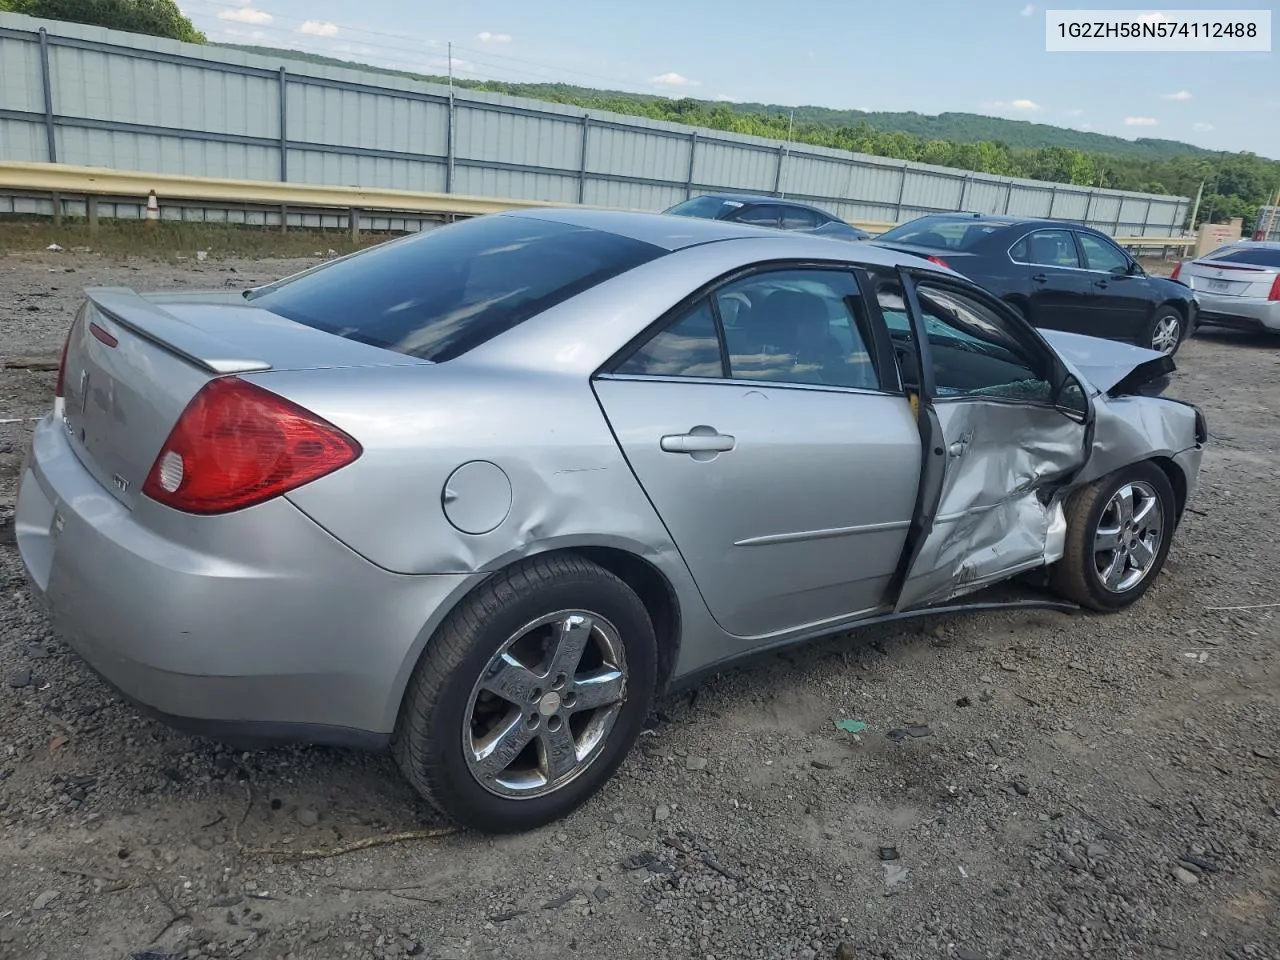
(499,729)
(1166,331)
(1113,554)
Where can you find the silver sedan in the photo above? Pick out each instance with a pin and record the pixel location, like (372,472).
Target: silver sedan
(1237,285)
(480,494)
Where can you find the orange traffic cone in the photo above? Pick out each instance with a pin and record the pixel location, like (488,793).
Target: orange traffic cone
(153,209)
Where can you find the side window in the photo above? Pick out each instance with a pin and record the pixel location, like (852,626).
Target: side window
(1049,248)
(687,348)
(798,218)
(1101,255)
(764,215)
(974,354)
(797,326)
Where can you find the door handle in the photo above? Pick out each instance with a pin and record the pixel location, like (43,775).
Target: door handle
(958,448)
(697,443)
(1101,284)
(1040,278)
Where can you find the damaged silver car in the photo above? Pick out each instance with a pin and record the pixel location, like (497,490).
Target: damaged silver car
(482,493)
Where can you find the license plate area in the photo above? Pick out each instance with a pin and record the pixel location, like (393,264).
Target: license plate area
(1219,286)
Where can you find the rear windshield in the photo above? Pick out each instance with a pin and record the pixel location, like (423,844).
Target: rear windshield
(438,294)
(709,208)
(1254,256)
(942,234)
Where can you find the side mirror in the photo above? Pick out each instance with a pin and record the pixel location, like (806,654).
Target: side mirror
(1135,269)
(1071,400)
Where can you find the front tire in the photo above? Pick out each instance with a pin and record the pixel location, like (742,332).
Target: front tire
(529,696)
(1119,529)
(1165,331)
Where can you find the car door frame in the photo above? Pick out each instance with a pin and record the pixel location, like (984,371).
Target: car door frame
(933,464)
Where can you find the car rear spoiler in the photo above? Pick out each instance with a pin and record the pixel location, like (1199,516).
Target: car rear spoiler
(139,315)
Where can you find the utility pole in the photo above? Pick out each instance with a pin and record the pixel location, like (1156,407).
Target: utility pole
(452,131)
(1195,207)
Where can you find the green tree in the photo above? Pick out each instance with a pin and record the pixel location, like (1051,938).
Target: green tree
(157,18)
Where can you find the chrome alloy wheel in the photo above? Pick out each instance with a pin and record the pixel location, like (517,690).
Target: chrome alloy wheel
(544,705)
(1165,336)
(1127,541)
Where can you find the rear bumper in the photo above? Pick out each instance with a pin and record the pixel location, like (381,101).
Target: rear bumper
(257,625)
(1241,313)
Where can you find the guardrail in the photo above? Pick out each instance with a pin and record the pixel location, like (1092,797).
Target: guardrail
(90,185)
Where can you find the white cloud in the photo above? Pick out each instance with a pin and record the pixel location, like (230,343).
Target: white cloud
(672,80)
(1075,112)
(1140,121)
(725,98)
(1202,127)
(484,36)
(246,15)
(1020,106)
(1086,127)
(319,28)
(1180,95)
(1028,10)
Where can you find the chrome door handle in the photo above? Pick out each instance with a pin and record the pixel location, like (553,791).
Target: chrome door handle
(958,447)
(696,443)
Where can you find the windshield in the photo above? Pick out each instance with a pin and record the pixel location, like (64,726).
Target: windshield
(709,208)
(438,294)
(940,233)
(1254,256)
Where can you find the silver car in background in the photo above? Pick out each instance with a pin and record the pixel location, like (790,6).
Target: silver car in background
(1237,285)
(482,493)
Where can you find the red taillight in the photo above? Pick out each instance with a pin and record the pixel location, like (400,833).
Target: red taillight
(62,364)
(939,261)
(1177,269)
(1275,289)
(237,444)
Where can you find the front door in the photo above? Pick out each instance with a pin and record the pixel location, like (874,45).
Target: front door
(1120,304)
(994,437)
(777,454)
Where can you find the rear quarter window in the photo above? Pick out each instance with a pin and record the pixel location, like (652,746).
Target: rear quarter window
(1246,256)
(438,294)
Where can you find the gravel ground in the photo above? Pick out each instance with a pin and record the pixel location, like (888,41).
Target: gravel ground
(1082,786)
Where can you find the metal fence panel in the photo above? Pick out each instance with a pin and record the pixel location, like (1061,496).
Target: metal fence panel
(146,103)
(637,153)
(720,164)
(22,141)
(21,87)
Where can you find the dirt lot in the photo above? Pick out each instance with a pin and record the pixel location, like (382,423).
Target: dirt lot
(1090,786)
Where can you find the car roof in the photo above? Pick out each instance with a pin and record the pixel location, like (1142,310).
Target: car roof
(1002,220)
(678,233)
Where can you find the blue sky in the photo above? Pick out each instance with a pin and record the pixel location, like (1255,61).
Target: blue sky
(931,56)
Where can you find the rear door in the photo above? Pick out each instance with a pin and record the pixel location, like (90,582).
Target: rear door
(993,436)
(778,451)
(1058,288)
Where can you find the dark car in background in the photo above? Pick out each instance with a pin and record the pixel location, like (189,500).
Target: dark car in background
(1059,276)
(767,212)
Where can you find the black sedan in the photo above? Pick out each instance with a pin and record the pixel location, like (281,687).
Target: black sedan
(767,212)
(1059,276)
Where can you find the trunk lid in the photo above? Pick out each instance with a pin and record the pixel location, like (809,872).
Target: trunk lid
(1228,279)
(134,362)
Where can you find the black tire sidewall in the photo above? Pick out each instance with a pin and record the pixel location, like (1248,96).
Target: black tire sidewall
(1156,477)
(456,790)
